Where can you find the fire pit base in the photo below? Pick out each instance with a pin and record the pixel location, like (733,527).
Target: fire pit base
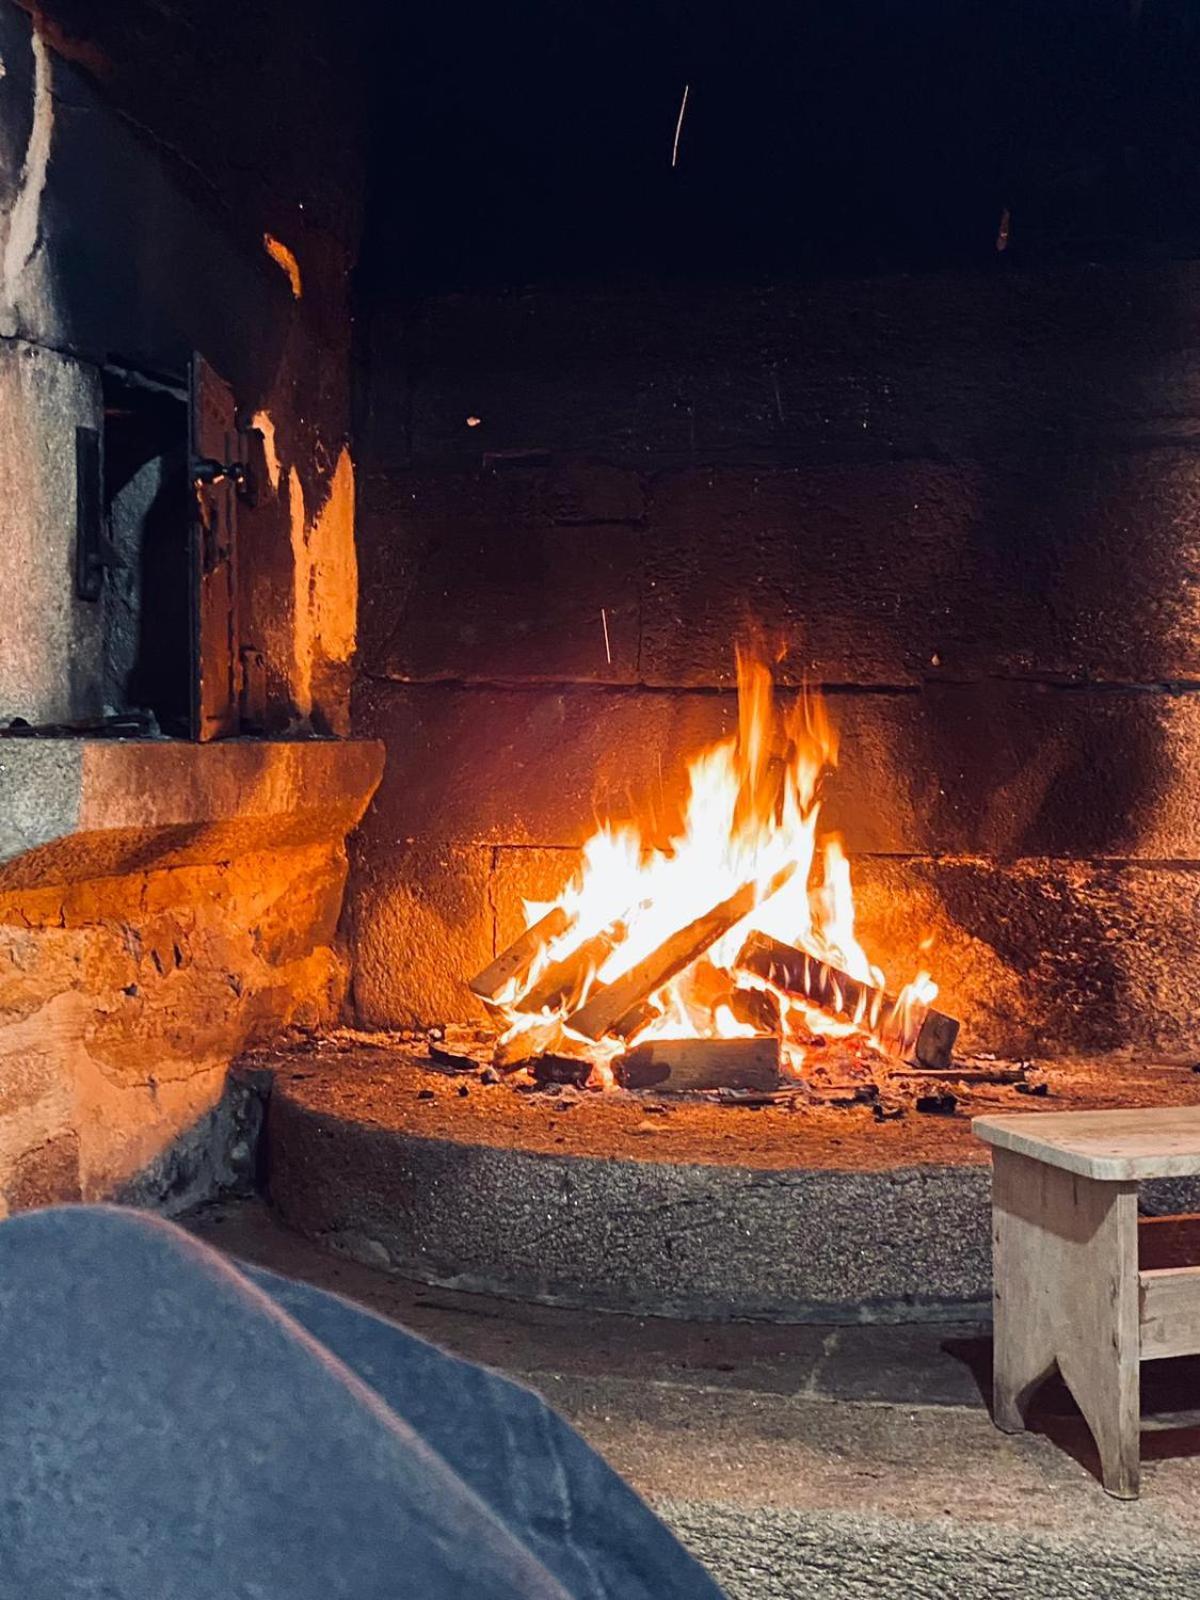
(611,1202)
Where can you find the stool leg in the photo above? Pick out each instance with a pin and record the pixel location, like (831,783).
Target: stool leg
(1066,1292)
(1023,1343)
(1099,1342)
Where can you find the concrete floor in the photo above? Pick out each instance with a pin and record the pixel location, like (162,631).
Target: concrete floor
(806,1461)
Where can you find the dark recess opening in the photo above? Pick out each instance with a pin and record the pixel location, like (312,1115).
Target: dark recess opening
(146,512)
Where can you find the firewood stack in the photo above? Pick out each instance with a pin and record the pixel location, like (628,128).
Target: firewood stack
(581,1031)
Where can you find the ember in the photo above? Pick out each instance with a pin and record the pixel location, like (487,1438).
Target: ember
(741,927)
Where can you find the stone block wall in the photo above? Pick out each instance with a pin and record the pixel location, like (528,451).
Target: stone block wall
(126,999)
(137,227)
(162,908)
(175,179)
(966,505)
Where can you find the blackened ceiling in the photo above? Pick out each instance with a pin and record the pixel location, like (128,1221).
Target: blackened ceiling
(534,140)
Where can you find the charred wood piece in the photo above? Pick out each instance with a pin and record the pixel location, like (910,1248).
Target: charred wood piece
(678,1066)
(757,1008)
(935,1039)
(466,1059)
(574,1070)
(802,975)
(616,1008)
(515,963)
(464,1047)
(941,1103)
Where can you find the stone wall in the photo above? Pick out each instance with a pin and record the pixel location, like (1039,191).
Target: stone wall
(174,179)
(138,225)
(161,909)
(968,505)
(125,1001)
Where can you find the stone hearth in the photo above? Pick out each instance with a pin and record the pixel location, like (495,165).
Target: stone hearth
(629,1204)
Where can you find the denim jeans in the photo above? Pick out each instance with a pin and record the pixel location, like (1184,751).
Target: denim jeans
(174,1427)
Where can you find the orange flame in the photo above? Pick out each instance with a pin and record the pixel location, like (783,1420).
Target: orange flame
(752,810)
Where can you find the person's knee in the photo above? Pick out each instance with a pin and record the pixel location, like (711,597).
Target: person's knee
(47,1255)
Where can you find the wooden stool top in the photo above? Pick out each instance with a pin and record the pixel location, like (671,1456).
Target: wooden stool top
(1119,1146)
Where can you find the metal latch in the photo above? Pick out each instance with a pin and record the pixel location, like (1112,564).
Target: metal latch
(207,473)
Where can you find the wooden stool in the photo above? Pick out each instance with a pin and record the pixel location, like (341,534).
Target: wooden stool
(1069,1289)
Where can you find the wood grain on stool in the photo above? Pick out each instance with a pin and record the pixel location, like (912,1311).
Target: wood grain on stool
(1066,1295)
(1068,1292)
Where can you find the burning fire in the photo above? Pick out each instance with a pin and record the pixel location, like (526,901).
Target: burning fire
(750,830)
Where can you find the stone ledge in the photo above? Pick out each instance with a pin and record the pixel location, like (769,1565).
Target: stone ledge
(74,809)
(701,1212)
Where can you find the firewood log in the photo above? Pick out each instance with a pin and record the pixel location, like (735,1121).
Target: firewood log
(563,982)
(608,1007)
(517,961)
(677,1065)
(802,975)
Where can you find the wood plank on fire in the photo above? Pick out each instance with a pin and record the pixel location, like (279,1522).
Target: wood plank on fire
(677,1065)
(516,962)
(824,986)
(609,1008)
(563,982)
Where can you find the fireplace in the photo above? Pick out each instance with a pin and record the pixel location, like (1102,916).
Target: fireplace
(749,645)
(990,582)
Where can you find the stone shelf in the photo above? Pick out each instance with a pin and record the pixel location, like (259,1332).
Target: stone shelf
(75,809)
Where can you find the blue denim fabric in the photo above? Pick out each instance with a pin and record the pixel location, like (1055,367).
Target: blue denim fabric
(175,1428)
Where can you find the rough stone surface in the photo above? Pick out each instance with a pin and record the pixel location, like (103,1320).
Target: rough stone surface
(700,1211)
(160,926)
(1076,567)
(818,1461)
(956,365)
(123,1001)
(51,644)
(1044,956)
(887,572)
(1068,565)
(769,1553)
(421,924)
(644,1237)
(76,808)
(1006,770)
(502,573)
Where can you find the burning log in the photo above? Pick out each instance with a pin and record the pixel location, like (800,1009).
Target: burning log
(620,1001)
(757,1008)
(563,982)
(800,974)
(512,1053)
(517,961)
(678,1065)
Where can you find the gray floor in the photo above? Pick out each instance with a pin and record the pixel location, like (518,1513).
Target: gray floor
(810,1461)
